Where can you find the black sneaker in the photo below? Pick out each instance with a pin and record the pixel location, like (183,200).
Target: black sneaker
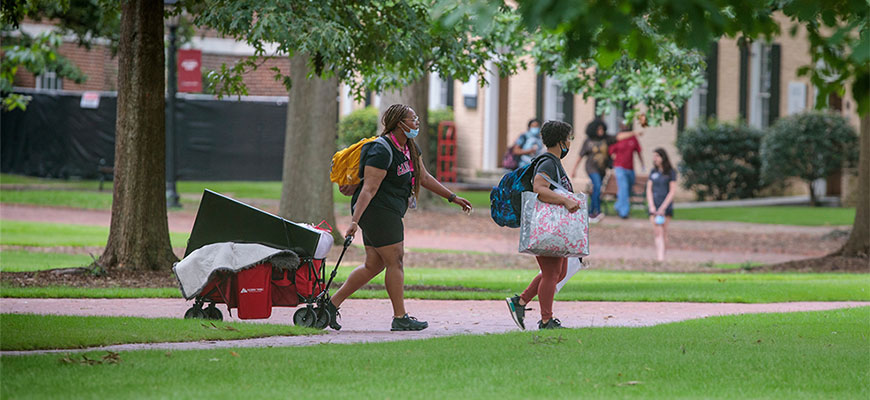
(333,314)
(553,323)
(408,323)
(518,312)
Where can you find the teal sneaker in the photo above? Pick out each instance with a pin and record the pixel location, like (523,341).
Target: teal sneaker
(518,312)
(553,323)
(408,323)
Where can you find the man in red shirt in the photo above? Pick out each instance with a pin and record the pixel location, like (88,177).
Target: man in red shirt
(623,169)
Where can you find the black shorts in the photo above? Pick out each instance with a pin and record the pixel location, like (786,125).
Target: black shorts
(381,227)
(669,212)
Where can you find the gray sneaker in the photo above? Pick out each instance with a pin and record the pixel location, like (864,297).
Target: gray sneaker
(408,323)
(518,312)
(333,315)
(553,323)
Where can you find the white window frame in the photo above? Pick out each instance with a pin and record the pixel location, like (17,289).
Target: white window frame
(554,99)
(696,106)
(437,92)
(48,80)
(760,85)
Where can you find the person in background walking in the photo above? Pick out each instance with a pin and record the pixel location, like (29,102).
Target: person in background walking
(597,161)
(557,137)
(623,169)
(529,145)
(660,189)
(378,206)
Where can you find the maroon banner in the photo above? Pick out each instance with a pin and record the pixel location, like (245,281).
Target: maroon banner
(189,71)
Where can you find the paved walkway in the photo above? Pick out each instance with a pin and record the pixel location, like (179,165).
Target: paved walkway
(369,320)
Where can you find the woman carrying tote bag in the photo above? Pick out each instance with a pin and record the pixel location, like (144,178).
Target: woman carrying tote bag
(557,136)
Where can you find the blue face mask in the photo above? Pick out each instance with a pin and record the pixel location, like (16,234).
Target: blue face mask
(411,133)
(534,130)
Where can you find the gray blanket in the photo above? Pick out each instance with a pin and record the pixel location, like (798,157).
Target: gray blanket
(195,270)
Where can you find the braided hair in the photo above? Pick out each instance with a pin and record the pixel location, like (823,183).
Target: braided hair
(391,118)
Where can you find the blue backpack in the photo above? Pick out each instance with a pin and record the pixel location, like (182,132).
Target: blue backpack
(506,199)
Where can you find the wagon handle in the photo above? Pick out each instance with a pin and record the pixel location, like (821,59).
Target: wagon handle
(347,242)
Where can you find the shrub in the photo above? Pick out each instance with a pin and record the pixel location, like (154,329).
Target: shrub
(721,160)
(808,146)
(357,125)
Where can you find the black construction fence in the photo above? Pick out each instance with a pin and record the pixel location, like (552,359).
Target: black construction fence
(60,135)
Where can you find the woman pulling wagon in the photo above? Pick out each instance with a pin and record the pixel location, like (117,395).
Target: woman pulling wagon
(378,206)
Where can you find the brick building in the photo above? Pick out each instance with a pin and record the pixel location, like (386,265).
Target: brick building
(101,67)
(757,83)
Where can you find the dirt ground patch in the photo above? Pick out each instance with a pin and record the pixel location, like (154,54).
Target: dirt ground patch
(821,264)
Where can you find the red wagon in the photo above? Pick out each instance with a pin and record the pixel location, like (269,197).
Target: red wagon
(253,291)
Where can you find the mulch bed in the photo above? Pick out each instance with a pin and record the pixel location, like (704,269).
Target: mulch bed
(84,277)
(821,264)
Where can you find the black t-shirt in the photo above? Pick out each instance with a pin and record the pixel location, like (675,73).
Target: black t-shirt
(552,167)
(661,184)
(395,189)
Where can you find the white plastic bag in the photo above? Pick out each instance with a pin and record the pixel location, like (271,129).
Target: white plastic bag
(325,242)
(574,265)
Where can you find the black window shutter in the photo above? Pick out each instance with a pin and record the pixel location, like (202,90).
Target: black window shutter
(775,56)
(712,79)
(539,98)
(568,107)
(450,84)
(744,78)
(681,120)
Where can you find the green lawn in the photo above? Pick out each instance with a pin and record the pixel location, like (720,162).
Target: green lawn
(63,198)
(785,215)
(596,285)
(240,190)
(18,261)
(780,356)
(21,180)
(585,286)
(33,332)
(45,234)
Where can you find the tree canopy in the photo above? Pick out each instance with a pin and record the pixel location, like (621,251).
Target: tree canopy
(368,45)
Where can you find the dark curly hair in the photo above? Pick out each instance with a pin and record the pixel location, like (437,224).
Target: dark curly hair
(555,132)
(592,128)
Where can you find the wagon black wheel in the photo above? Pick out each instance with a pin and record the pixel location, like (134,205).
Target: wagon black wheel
(194,312)
(211,312)
(304,317)
(323,317)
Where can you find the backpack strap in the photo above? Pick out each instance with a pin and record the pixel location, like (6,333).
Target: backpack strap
(558,175)
(383,142)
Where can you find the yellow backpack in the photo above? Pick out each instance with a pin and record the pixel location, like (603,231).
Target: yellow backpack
(345,163)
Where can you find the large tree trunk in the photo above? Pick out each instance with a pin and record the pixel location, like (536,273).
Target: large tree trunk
(858,244)
(416,96)
(306,192)
(139,232)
